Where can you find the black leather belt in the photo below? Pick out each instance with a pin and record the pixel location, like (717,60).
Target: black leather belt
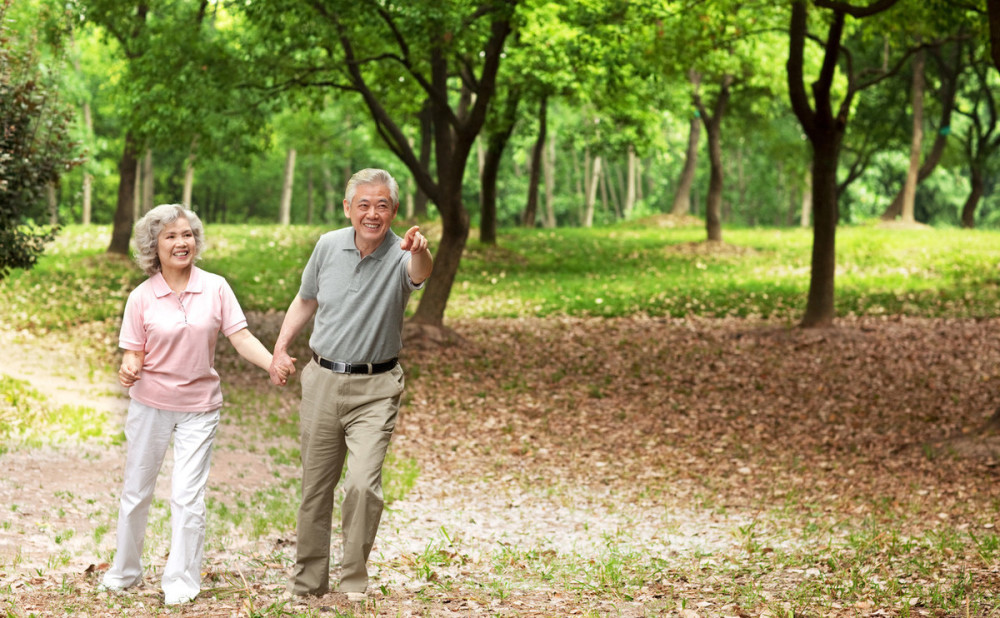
(342,367)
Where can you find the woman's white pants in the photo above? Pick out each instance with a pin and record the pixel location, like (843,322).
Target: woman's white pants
(148,432)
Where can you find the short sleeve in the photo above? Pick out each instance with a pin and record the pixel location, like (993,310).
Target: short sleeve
(233,318)
(133,333)
(309,287)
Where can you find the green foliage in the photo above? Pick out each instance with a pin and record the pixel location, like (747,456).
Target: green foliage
(35,145)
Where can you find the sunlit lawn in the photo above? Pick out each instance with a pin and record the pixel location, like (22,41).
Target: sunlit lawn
(613,271)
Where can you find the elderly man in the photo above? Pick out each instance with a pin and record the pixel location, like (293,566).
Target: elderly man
(357,283)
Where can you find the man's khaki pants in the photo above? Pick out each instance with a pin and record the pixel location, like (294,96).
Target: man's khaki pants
(341,414)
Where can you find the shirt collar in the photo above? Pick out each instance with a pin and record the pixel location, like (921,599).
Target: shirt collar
(382,250)
(161,289)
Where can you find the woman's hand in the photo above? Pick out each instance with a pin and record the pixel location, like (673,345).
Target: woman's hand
(131,368)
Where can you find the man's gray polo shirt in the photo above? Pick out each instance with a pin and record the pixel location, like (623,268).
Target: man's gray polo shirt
(361,301)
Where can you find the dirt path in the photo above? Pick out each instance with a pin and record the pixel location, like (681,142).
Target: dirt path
(61,506)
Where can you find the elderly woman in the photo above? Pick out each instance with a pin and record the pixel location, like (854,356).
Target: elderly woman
(169,331)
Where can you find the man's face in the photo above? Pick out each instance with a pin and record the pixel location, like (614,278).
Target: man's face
(371,212)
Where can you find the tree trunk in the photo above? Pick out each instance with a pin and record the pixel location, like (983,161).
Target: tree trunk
(490,168)
(630,181)
(52,197)
(682,197)
(606,189)
(615,181)
(713,128)
(950,69)
(88,191)
(189,172)
(488,192)
(820,301)
(534,179)
(310,196)
(148,181)
(88,126)
(549,163)
(916,144)
(452,148)
(713,201)
(978,187)
(639,169)
(741,190)
(588,206)
(616,188)
(285,207)
(137,191)
(580,173)
(993,10)
(451,154)
(121,230)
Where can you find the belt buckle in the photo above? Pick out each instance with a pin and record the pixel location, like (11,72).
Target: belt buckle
(341,367)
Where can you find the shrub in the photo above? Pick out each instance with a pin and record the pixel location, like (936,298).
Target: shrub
(35,147)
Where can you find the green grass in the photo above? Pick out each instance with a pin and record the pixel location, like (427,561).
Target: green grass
(614,271)
(28,418)
(626,271)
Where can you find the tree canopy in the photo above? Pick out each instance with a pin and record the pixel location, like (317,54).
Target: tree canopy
(480,106)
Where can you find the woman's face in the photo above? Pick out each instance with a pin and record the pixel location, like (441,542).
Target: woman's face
(176,245)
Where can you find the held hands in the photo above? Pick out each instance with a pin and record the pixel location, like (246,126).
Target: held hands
(282,366)
(413,241)
(128,373)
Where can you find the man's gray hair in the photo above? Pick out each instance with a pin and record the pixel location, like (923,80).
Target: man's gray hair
(146,236)
(372,176)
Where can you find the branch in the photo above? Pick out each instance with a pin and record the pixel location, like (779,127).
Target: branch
(846,8)
(499,29)
(390,132)
(405,49)
(824,83)
(796,79)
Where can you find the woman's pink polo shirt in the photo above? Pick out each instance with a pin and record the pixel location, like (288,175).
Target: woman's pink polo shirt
(178,336)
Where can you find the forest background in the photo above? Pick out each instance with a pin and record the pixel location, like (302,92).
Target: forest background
(516,113)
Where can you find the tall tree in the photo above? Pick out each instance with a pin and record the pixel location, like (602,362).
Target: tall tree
(682,195)
(535,169)
(712,120)
(385,54)
(916,144)
(981,140)
(948,60)
(179,81)
(824,125)
(497,135)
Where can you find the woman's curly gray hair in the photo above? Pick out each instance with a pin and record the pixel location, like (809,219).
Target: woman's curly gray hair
(147,234)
